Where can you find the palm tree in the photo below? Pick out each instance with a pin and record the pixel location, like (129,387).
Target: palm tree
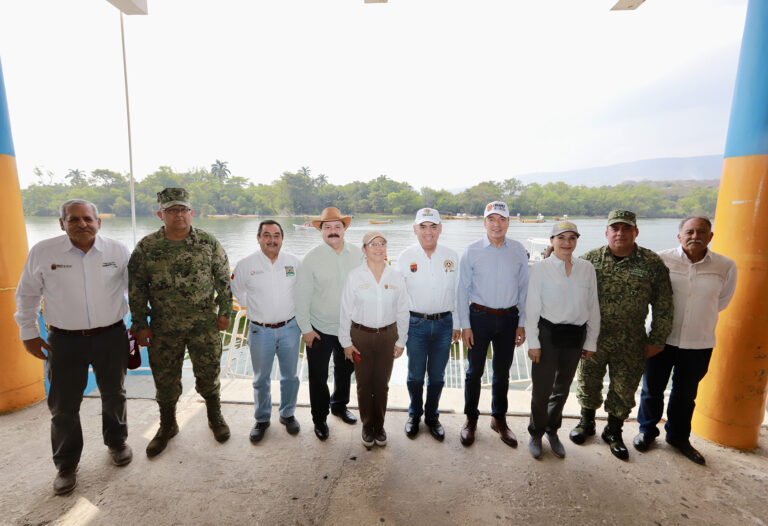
(76,177)
(220,171)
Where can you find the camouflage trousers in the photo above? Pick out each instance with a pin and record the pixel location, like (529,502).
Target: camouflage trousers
(625,360)
(166,355)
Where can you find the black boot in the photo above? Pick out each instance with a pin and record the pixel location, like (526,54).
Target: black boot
(168,429)
(216,420)
(612,435)
(585,427)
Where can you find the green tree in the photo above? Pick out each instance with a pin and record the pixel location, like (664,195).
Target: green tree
(76,178)
(220,171)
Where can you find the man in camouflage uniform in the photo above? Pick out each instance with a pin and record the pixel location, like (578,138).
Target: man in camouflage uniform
(629,278)
(173,274)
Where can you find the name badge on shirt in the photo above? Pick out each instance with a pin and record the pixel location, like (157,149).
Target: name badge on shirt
(289,271)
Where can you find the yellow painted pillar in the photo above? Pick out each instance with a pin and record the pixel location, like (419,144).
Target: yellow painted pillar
(21,375)
(730,406)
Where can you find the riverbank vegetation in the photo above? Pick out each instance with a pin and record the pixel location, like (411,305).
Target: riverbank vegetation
(217,191)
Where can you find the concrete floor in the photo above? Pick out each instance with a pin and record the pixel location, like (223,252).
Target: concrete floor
(300,480)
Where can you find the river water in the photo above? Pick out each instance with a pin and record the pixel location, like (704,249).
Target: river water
(238,236)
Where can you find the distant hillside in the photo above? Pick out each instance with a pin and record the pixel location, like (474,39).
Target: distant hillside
(664,169)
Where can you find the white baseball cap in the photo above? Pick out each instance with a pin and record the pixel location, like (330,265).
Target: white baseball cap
(427,215)
(496,207)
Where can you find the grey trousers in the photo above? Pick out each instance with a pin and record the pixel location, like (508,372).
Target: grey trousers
(68,363)
(552,378)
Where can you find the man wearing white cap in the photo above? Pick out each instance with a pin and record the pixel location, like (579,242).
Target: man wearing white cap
(431,275)
(493,282)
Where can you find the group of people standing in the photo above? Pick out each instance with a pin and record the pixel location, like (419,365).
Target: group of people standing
(347,302)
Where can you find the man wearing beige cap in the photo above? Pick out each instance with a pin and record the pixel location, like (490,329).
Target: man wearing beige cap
(324,270)
(493,283)
(431,274)
(629,278)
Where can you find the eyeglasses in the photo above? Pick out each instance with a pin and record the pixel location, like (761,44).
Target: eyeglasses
(176,210)
(377,244)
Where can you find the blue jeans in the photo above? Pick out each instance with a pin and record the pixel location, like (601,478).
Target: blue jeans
(690,366)
(265,343)
(489,328)
(429,347)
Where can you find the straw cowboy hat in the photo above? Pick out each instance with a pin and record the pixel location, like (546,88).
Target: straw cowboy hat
(331,214)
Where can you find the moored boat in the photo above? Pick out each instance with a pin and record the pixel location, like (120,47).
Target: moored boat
(379,221)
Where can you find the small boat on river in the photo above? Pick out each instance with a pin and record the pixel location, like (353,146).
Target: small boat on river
(307,225)
(379,221)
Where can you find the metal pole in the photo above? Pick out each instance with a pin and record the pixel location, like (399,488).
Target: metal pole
(130,142)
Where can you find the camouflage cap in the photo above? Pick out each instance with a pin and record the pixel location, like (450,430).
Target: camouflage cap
(622,216)
(173,196)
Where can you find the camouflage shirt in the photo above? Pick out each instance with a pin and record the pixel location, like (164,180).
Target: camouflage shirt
(177,279)
(626,287)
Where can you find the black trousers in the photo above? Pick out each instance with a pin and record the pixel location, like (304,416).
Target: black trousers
(318,357)
(551,381)
(68,363)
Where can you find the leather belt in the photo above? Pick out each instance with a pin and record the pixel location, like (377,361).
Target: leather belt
(273,325)
(439,316)
(86,332)
(363,328)
(497,312)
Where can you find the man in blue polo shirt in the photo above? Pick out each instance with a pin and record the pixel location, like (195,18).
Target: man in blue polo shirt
(493,281)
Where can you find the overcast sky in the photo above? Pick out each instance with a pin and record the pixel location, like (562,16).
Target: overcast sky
(442,93)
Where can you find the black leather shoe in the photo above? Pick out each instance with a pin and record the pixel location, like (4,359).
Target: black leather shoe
(258,430)
(688,450)
(412,426)
(614,440)
(436,430)
(121,455)
(65,481)
(643,441)
(291,424)
(321,430)
(345,414)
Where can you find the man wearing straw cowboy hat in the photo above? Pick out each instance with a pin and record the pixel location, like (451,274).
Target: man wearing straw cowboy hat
(324,270)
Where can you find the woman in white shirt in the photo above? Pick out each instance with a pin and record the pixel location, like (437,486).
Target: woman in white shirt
(373,329)
(562,324)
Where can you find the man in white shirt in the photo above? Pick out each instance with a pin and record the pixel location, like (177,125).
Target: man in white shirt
(703,283)
(265,284)
(431,275)
(83,278)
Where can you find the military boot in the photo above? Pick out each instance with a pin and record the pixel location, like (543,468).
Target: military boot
(168,429)
(216,420)
(612,435)
(585,427)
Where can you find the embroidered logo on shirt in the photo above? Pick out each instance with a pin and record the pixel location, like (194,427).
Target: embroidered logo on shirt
(414,267)
(232,276)
(59,265)
(289,271)
(448,264)
(109,264)
(364,286)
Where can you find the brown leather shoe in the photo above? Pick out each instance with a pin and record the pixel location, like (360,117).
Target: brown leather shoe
(65,481)
(500,426)
(467,435)
(121,455)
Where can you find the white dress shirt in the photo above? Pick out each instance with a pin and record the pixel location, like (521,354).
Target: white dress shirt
(700,291)
(372,304)
(82,290)
(431,281)
(266,289)
(559,298)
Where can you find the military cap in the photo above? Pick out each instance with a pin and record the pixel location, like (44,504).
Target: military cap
(173,196)
(622,216)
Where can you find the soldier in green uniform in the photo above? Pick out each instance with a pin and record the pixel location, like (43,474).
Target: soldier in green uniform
(174,274)
(629,278)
